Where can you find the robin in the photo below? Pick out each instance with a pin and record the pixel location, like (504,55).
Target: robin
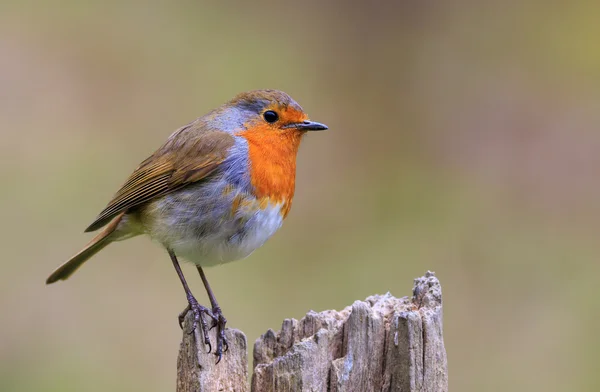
(215,191)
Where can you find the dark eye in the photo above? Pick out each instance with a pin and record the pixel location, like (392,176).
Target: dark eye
(270,116)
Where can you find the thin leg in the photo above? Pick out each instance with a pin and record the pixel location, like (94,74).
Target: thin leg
(218,317)
(193,305)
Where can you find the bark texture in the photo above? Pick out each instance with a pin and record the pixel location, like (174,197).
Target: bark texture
(380,344)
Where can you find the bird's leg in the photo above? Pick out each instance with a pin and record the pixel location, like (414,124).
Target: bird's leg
(193,305)
(219,319)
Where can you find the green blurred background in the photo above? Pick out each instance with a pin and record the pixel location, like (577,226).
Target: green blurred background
(463,139)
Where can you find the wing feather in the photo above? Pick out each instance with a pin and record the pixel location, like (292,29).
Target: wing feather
(189,155)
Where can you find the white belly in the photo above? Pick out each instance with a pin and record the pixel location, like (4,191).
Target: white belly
(230,243)
(211,235)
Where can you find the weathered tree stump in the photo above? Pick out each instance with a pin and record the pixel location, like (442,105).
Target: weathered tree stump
(197,370)
(380,344)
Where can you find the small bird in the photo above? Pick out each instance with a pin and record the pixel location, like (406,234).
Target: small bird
(215,191)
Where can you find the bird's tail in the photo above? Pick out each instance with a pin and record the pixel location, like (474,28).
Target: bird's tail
(94,246)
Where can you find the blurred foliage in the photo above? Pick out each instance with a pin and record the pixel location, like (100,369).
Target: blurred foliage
(463,139)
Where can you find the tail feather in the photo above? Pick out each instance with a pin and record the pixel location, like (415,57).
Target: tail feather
(94,246)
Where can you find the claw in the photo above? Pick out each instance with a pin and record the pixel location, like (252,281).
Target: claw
(198,310)
(225,344)
(218,319)
(220,322)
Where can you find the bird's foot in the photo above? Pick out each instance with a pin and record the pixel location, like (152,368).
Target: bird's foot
(219,321)
(198,311)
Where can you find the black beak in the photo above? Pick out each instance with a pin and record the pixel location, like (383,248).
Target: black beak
(308,126)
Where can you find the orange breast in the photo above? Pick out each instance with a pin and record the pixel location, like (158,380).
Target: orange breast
(273,163)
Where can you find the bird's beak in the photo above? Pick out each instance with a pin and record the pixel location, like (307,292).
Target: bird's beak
(308,126)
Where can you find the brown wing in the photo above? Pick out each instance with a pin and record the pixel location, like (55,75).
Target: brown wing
(188,156)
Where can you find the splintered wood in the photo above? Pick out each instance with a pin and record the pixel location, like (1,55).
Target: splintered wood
(380,344)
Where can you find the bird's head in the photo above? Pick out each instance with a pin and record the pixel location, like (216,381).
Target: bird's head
(265,111)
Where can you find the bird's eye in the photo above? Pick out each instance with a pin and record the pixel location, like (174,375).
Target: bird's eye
(270,116)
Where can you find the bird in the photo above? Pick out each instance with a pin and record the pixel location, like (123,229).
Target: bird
(214,192)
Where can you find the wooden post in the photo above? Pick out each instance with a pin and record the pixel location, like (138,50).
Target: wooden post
(380,344)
